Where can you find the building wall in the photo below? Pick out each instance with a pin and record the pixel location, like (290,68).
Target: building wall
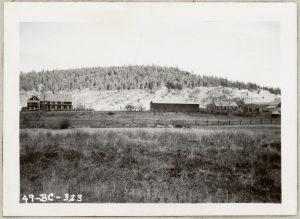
(212,108)
(254,108)
(49,106)
(33,105)
(172,107)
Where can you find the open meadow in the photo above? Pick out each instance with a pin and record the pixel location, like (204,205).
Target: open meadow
(231,164)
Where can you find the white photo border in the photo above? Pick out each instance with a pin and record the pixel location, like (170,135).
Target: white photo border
(14,13)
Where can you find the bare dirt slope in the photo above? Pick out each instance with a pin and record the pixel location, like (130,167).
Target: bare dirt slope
(118,99)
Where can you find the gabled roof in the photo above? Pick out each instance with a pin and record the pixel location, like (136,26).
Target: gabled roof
(271,107)
(256,102)
(190,103)
(34,98)
(56,100)
(178,103)
(225,103)
(276,101)
(275,113)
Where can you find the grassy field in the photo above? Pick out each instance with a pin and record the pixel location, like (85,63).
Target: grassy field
(135,119)
(150,165)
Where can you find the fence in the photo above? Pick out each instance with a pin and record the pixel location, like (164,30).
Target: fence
(133,122)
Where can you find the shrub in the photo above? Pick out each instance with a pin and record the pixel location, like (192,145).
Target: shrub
(129,108)
(110,113)
(141,108)
(65,124)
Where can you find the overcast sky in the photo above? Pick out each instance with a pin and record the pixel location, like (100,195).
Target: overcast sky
(245,51)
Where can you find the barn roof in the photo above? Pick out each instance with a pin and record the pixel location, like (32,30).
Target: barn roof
(174,103)
(57,97)
(256,102)
(275,113)
(275,103)
(271,107)
(225,103)
(55,100)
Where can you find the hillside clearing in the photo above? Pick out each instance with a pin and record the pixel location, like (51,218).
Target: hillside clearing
(118,99)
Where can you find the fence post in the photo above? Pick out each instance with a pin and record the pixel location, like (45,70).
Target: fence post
(195,122)
(260,121)
(228,122)
(158,122)
(240,122)
(207,122)
(218,122)
(250,121)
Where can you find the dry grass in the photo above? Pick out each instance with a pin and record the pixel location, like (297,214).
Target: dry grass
(153,165)
(54,120)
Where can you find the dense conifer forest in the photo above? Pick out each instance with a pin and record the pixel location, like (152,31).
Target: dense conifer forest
(125,78)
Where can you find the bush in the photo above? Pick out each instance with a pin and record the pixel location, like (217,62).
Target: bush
(129,108)
(110,113)
(141,108)
(65,124)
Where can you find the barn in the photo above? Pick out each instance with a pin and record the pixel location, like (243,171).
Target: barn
(174,107)
(255,107)
(35,104)
(274,106)
(222,107)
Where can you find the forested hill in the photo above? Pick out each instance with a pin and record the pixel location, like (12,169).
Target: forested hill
(125,78)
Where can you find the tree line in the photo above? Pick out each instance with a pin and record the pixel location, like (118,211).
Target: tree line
(125,78)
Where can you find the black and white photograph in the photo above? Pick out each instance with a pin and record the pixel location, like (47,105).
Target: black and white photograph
(150,104)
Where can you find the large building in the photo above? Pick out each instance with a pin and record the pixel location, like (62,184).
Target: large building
(255,107)
(174,107)
(35,104)
(274,106)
